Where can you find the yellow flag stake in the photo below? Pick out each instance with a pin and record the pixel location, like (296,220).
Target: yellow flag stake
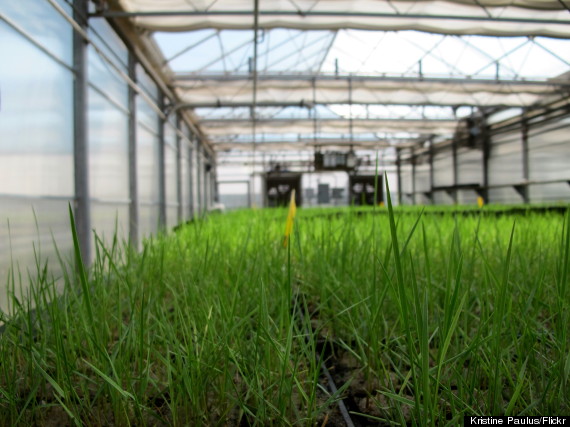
(288,231)
(290,219)
(480,202)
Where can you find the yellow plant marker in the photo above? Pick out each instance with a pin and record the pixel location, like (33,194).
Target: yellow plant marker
(480,201)
(290,219)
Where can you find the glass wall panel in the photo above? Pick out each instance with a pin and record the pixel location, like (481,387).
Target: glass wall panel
(28,226)
(106,79)
(467,197)
(185,180)
(109,42)
(108,133)
(36,120)
(549,152)
(193,181)
(171,217)
(40,21)
(422,177)
(146,115)
(108,149)
(469,166)
(406,185)
(504,195)
(198,180)
(554,192)
(147,83)
(443,168)
(36,139)
(148,217)
(147,165)
(234,195)
(110,218)
(442,198)
(171,171)
(505,163)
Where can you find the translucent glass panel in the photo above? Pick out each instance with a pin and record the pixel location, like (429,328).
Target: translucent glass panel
(234,195)
(106,79)
(108,149)
(171,217)
(422,177)
(171,166)
(443,169)
(208,191)
(549,151)
(36,138)
(197,181)
(148,219)
(110,218)
(148,182)
(32,225)
(469,166)
(147,83)
(146,114)
(147,165)
(192,165)
(108,136)
(406,177)
(504,195)
(467,197)
(185,181)
(442,198)
(505,163)
(40,21)
(109,42)
(554,192)
(171,171)
(36,120)
(549,159)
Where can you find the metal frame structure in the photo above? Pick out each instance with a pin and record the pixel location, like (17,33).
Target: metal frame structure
(282,86)
(522,125)
(247,85)
(83,200)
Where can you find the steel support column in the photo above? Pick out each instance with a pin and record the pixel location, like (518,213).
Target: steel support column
(455,170)
(486,143)
(431,180)
(525,159)
(133,186)
(179,198)
(199,176)
(399,173)
(82,210)
(191,176)
(161,169)
(413,160)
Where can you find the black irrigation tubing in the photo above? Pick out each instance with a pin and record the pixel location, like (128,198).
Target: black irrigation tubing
(334,389)
(330,381)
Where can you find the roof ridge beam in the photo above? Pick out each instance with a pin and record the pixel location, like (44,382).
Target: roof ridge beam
(565,82)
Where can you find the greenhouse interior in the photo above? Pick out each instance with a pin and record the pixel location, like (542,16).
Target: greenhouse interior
(293,212)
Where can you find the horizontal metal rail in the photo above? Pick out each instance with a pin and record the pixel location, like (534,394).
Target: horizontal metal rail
(222,121)
(329,14)
(321,77)
(303,103)
(478,188)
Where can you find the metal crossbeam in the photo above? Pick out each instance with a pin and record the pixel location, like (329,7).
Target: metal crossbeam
(180,78)
(222,122)
(330,14)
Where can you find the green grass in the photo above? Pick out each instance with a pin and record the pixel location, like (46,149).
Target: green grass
(421,318)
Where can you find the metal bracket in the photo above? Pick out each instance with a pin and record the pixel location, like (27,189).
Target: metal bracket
(521,190)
